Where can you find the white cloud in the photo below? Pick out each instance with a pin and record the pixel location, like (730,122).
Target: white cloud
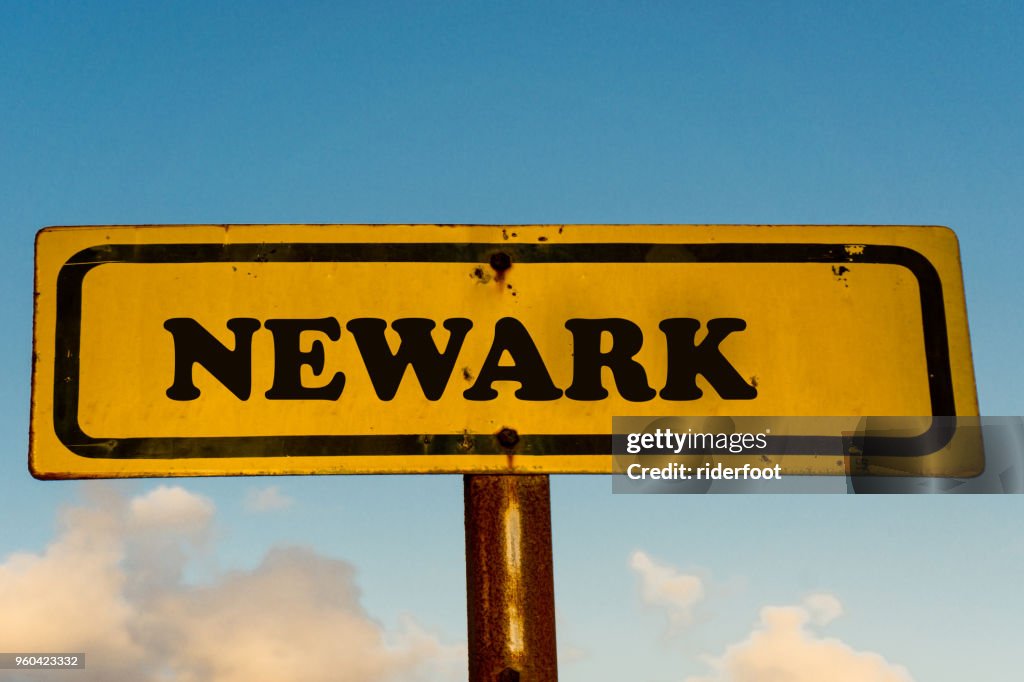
(267,499)
(823,608)
(110,585)
(71,597)
(783,649)
(171,508)
(664,586)
(296,616)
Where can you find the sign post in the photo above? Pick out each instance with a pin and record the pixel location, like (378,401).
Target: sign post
(509,581)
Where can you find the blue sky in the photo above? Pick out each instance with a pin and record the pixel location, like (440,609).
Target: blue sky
(865,113)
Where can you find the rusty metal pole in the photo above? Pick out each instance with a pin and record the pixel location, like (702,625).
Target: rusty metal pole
(509,579)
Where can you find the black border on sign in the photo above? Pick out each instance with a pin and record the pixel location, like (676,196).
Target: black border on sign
(68,332)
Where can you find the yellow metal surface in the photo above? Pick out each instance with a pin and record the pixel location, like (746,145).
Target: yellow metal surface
(838,321)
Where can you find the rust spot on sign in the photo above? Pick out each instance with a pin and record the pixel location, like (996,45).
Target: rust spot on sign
(480,275)
(466,443)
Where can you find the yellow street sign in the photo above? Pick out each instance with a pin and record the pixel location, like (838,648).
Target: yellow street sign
(301,349)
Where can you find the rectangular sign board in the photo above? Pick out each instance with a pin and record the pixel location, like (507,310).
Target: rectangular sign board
(324,349)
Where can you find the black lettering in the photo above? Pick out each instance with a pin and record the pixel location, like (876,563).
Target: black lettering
(193,344)
(529,370)
(686,360)
(386,369)
(587,360)
(289,359)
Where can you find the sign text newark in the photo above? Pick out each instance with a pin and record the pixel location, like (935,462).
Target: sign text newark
(687,358)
